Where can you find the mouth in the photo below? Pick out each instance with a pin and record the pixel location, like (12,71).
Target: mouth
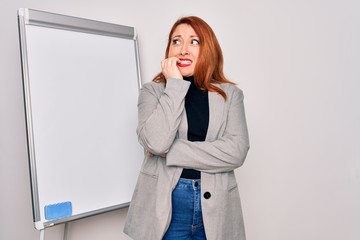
(184,62)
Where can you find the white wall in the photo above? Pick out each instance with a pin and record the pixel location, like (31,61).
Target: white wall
(298,64)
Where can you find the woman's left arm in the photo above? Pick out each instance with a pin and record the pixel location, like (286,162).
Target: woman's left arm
(225,153)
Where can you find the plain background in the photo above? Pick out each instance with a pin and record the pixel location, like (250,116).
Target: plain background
(298,65)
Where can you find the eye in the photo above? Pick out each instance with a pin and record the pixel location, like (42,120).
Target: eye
(195,42)
(176,41)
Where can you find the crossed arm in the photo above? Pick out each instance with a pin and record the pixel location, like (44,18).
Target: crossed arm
(159,120)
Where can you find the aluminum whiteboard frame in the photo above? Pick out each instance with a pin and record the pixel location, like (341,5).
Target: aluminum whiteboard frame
(52,20)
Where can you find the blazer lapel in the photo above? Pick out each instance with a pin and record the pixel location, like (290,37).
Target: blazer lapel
(216,112)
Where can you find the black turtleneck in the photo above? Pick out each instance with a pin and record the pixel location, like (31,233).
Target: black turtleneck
(197,113)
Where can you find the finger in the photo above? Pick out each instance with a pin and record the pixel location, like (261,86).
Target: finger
(170,68)
(169,62)
(173,61)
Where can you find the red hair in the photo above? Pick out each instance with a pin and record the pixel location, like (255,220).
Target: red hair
(209,67)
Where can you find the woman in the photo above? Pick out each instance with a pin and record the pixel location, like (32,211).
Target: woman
(192,125)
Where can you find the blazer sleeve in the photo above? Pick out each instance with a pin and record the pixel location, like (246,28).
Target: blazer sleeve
(159,114)
(225,153)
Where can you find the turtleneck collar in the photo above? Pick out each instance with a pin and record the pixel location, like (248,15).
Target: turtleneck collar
(189,78)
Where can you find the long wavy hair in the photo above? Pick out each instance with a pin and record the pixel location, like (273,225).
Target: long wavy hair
(209,66)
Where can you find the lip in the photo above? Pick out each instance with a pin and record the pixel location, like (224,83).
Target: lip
(184,62)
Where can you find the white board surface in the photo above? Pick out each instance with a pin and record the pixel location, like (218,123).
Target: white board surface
(81,101)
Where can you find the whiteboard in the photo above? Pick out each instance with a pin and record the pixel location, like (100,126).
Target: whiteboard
(81,79)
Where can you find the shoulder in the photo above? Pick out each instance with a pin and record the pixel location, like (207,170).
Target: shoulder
(231,90)
(153,85)
(172,85)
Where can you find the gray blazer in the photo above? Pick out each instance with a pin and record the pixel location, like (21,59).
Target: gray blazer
(162,128)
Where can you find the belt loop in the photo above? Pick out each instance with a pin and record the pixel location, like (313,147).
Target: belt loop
(196,184)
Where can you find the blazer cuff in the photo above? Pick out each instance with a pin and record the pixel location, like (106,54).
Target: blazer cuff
(173,84)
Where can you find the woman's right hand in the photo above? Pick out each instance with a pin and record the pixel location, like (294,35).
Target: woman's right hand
(150,154)
(170,69)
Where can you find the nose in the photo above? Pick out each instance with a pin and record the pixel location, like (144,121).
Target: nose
(184,50)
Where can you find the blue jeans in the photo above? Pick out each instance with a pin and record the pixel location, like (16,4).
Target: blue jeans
(186,221)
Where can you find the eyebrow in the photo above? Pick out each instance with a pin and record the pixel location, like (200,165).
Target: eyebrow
(179,35)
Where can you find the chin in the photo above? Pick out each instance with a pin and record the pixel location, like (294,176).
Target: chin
(187,74)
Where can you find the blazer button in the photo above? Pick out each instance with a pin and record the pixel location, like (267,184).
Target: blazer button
(207,195)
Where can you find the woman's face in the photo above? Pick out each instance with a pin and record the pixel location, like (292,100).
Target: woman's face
(185,45)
